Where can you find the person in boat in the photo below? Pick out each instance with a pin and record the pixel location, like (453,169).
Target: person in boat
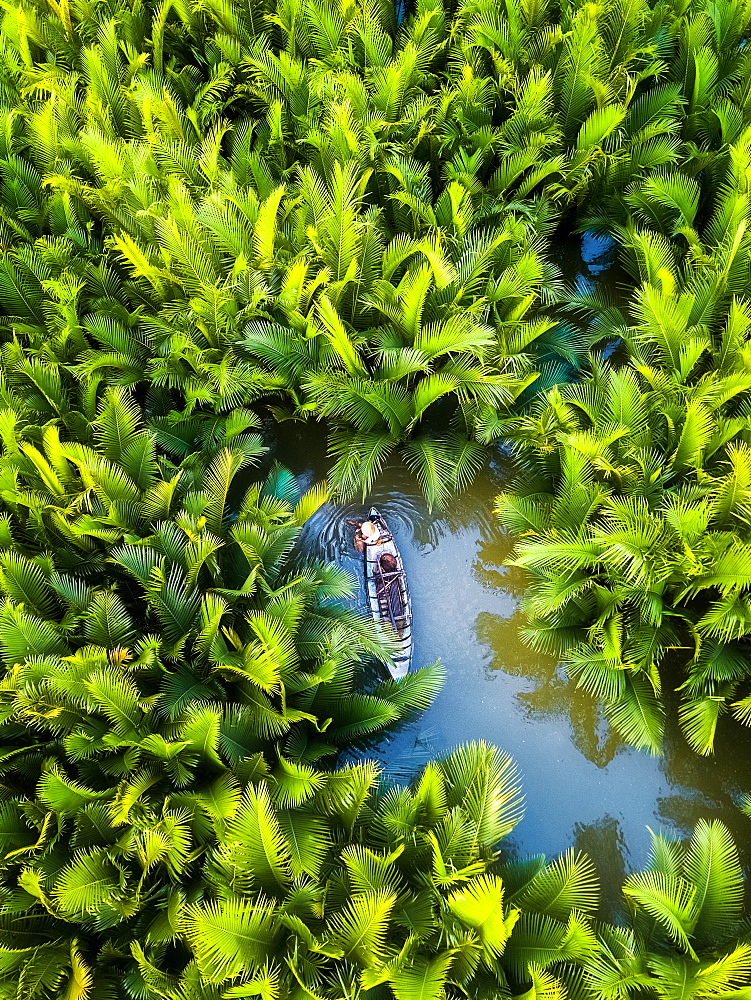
(388,563)
(387,587)
(366,533)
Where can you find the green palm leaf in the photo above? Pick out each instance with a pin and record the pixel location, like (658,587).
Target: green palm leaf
(89,880)
(713,867)
(479,905)
(638,715)
(255,850)
(539,941)
(422,980)
(360,929)
(483,782)
(217,482)
(668,900)
(569,883)
(699,718)
(233,935)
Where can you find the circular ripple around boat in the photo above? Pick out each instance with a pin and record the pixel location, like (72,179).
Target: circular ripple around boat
(328,534)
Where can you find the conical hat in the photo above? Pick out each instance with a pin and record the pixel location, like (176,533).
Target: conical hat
(368,528)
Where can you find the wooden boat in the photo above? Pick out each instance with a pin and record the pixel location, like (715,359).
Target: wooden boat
(388,596)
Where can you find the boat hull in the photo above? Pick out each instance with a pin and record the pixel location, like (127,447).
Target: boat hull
(402,627)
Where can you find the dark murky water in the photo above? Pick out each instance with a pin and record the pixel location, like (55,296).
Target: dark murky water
(583,786)
(590,263)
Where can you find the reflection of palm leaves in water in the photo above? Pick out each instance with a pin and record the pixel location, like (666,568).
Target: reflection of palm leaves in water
(548,693)
(499,635)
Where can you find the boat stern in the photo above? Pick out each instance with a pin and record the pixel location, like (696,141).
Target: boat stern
(399,669)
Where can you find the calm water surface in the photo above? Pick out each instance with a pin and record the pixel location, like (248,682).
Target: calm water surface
(583,786)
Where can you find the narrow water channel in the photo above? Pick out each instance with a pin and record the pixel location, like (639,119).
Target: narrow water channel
(583,786)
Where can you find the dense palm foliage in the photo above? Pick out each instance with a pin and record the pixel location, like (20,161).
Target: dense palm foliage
(302,205)
(263,877)
(104,560)
(210,212)
(682,939)
(160,659)
(634,501)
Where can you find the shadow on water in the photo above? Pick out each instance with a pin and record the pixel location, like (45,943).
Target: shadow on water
(584,787)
